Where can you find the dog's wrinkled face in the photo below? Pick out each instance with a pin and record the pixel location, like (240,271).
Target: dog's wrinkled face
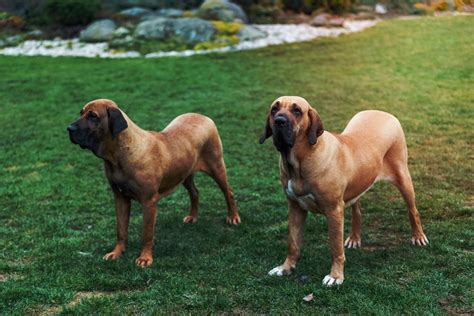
(290,117)
(98,120)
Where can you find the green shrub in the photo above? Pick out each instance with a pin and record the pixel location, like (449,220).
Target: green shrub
(72,12)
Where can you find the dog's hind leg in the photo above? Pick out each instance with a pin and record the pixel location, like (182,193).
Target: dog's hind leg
(219,174)
(402,180)
(194,197)
(212,163)
(354,240)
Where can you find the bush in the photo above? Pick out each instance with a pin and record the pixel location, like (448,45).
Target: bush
(227,28)
(72,12)
(11,22)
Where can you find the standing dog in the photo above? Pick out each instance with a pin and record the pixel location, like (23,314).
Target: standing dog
(325,172)
(145,166)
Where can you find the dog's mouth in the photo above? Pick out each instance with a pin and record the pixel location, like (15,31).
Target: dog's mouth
(86,140)
(283,137)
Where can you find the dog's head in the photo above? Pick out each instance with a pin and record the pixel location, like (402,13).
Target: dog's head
(291,118)
(99,120)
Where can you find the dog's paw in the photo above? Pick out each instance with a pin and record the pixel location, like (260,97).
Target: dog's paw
(330,281)
(419,240)
(279,271)
(114,255)
(233,219)
(144,260)
(190,219)
(352,242)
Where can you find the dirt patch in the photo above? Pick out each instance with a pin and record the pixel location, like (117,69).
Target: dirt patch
(85,296)
(9,276)
(47,310)
(455,310)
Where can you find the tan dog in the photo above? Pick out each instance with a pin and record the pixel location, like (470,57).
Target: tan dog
(326,172)
(146,166)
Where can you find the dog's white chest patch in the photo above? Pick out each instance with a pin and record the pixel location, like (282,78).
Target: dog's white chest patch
(306,202)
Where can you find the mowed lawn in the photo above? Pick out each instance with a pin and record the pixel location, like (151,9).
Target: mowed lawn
(56,211)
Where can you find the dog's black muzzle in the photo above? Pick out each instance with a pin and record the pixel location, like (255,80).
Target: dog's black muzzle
(77,136)
(283,137)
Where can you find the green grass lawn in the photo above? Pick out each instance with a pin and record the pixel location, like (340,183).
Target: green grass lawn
(56,210)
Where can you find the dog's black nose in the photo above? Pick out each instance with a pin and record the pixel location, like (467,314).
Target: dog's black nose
(72,128)
(281,120)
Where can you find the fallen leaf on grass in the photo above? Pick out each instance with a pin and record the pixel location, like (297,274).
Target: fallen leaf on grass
(308,298)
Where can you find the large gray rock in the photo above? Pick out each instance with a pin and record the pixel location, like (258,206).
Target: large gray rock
(99,31)
(193,30)
(135,12)
(223,10)
(157,28)
(250,33)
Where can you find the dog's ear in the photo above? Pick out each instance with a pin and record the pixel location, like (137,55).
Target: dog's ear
(267,133)
(117,122)
(315,128)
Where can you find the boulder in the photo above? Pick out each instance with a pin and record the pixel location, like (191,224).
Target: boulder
(250,33)
(222,10)
(99,31)
(157,28)
(320,20)
(193,30)
(170,13)
(135,12)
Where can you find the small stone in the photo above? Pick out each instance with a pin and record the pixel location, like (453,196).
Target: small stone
(320,20)
(35,34)
(170,13)
(135,12)
(121,32)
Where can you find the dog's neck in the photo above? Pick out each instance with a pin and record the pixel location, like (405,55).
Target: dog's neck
(292,158)
(125,144)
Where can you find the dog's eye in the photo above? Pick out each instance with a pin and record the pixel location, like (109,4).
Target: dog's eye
(297,111)
(92,116)
(274,110)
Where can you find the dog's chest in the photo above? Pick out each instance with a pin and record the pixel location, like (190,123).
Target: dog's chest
(306,201)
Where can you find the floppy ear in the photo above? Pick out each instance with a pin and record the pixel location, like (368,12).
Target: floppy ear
(267,133)
(315,128)
(117,122)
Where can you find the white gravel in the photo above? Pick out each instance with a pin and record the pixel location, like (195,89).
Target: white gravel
(277,34)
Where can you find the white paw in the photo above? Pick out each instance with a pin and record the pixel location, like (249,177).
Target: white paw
(330,281)
(352,243)
(279,271)
(420,241)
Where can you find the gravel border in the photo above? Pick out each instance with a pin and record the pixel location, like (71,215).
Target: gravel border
(277,34)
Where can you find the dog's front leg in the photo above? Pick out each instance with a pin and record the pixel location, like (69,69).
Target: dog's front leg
(296,219)
(122,212)
(149,220)
(335,219)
